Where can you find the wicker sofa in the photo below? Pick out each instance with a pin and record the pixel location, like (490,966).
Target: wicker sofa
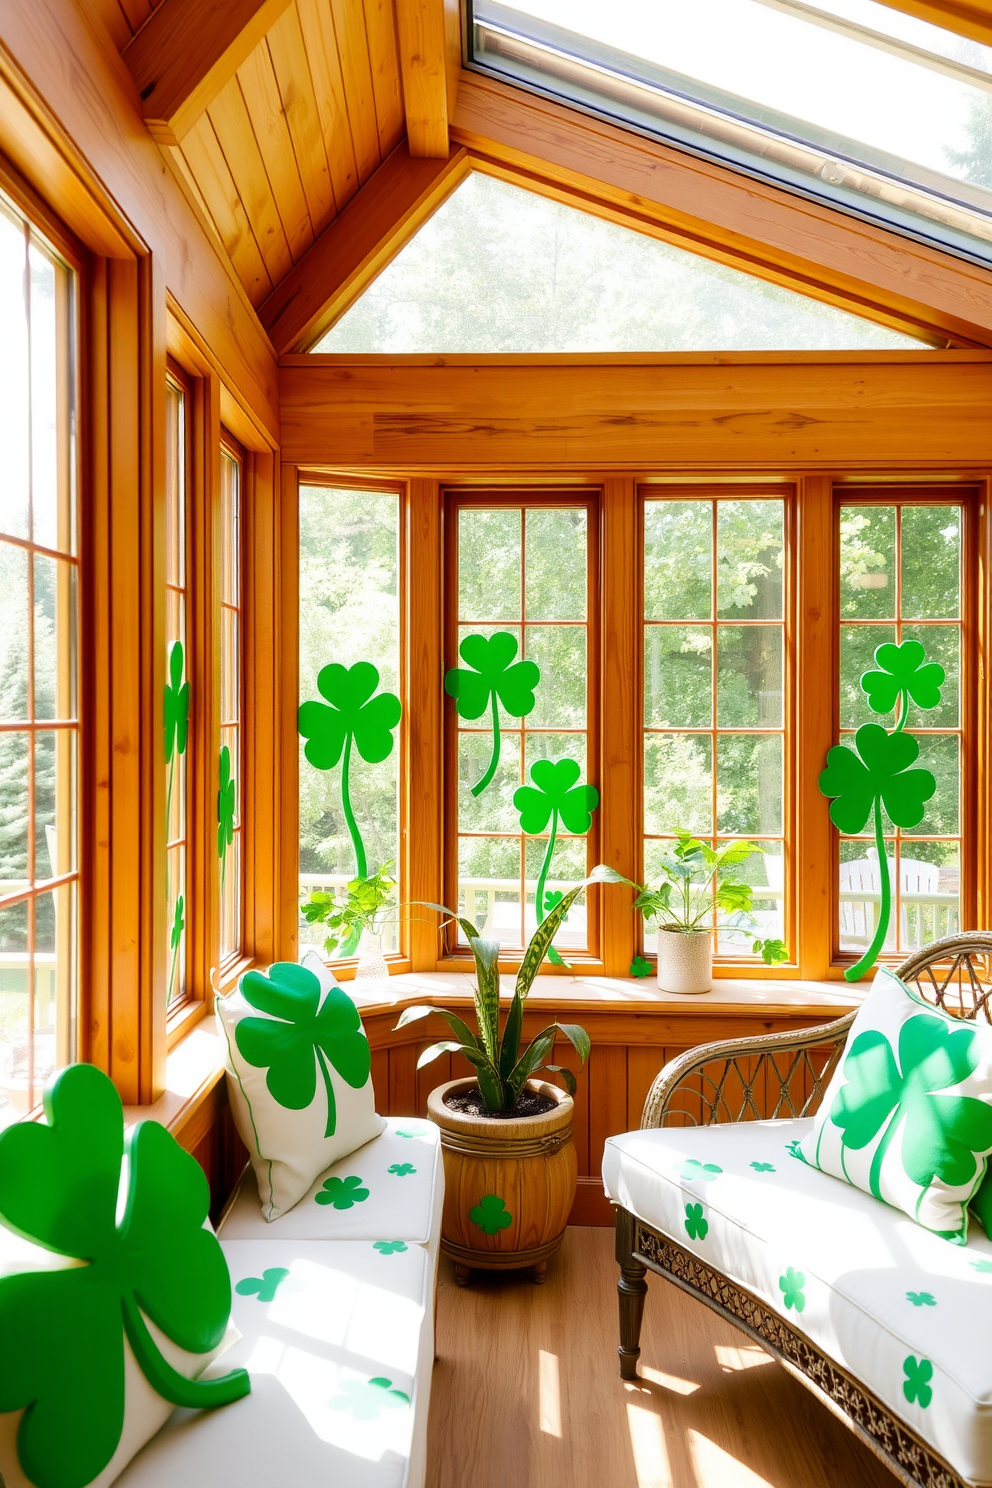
(849,1310)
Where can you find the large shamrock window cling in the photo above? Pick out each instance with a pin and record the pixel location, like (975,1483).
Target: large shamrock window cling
(300,1036)
(554,797)
(63,1331)
(876,773)
(490,677)
(176,720)
(227,800)
(354,717)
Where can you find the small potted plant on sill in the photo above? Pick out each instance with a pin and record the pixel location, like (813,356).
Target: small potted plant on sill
(696,883)
(506,1136)
(358,911)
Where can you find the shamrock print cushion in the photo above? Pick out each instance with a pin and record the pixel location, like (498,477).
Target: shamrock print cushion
(339,1341)
(390,1189)
(299,1076)
(907,1116)
(896,1306)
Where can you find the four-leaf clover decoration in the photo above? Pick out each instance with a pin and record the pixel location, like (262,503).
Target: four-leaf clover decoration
(940,1134)
(921,1299)
(353,716)
(343,1193)
(491,1215)
(693,1169)
(301,1035)
(490,677)
(389,1247)
(556,797)
(263,1287)
(402,1170)
(226,805)
(63,1331)
(696,1226)
(368,1399)
(903,673)
(916,1385)
(791,1285)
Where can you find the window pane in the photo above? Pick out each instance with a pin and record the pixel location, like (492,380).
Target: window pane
(178,695)
(861,895)
(489,564)
(858,644)
(231,866)
(15,775)
(678,560)
(867,562)
(929,893)
(349,613)
(678,783)
(44,400)
(750,786)
(560,652)
(678,676)
(931,563)
(749,549)
(556,565)
(14,646)
(749,676)
(15,380)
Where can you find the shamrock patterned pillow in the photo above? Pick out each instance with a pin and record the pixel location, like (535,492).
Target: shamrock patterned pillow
(907,1116)
(299,1076)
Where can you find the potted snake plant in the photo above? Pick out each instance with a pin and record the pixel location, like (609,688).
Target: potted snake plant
(506,1135)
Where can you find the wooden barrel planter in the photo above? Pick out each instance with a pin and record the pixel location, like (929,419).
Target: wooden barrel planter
(509,1184)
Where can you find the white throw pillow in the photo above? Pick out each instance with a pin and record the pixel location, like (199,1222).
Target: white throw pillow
(299,1076)
(907,1116)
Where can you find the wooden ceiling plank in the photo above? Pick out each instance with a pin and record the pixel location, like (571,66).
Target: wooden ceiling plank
(229,117)
(212,178)
(356,75)
(358,244)
(187,51)
(292,69)
(709,204)
(380,30)
(423,62)
(136,12)
(974,21)
(317,29)
(268,121)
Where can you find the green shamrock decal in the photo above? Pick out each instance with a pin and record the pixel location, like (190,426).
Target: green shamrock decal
(921,1299)
(791,1286)
(301,1035)
(354,717)
(62,1362)
(492,677)
(903,675)
(794,1149)
(700,1172)
(554,797)
(763,1167)
(696,1226)
(176,719)
(861,784)
(491,1215)
(264,1286)
(389,1247)
(418,1131)
(366,1400)
(175,941)
(343,1193)
(916,1385)
(984,1266)
(940,1133)
(640,967)
(402,1170)
(226,805)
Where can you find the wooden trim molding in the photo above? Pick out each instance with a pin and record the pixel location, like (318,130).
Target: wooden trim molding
(421,32)
(972,19)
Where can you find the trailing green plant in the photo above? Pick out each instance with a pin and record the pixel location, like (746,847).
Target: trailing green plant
(696,882)
(494,1052)
(357,910)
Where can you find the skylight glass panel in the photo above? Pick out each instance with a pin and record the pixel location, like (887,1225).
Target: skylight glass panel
(847,100)
(501,269)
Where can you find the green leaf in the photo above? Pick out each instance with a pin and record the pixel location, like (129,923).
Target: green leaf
(772,952)
(578,1038)
(571,1084)
(434,1051)
(510,1046)
(879,769)
(545,933)
(486,953)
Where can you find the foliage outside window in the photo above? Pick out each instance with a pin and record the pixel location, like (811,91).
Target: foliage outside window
(177,689)
(230,762)
(39,733)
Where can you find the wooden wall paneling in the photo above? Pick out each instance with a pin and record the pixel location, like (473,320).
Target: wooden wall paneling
(232,124)
(380,31)
(296,90)
(286,704)
(564,1054)
(263,101)
(816,657)
(421,28)
(423,740)
(111,15)
(186,52)
(317,28)
(644,1061)
(713,210)
(357,246)
(428,1079)
(356,76)
(619,828)
(608,1113)
(211,178)
(380,1081)
(403,1080)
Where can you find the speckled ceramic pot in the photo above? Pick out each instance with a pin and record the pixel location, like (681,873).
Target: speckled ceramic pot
(685,961)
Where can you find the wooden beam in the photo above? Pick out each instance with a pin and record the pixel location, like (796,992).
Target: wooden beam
(358,244)
(429,42)
(715,211)
(973,20)
(186,51)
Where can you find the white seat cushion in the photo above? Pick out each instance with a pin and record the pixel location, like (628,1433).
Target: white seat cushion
(390,1189)
(339,1343)
(900,1309)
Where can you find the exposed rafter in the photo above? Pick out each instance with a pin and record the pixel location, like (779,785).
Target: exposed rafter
(968,17)
(186,51)
(430,60)
(358,244)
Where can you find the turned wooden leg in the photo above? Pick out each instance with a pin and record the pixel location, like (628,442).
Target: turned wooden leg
(632,1289)
(463,1274)
(539,1273)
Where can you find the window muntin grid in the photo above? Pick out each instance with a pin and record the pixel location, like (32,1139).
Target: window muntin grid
(176,635)
(39,729)
(717,689)
(525,567)
(231,689)
(901,577)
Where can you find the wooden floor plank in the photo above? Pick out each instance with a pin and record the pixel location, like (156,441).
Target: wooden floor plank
(526,1392)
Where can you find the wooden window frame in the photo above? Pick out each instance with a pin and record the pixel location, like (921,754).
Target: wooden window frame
(232,450)
(179,378)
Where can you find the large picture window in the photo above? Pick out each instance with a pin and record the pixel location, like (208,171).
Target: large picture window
(177,695)
(39,729)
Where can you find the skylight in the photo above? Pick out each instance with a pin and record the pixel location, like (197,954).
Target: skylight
(846,100)
(501,269)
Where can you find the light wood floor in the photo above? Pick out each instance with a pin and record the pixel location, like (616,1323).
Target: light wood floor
(527,1393)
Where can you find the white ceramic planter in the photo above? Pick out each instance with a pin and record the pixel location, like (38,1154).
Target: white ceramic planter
(685,961)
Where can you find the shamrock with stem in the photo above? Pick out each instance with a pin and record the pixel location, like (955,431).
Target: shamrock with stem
(63,1359)
(300,1035)
(940,1133)
(903,674)
(176,717)
(226,806)
(554,797)
(491,677)
(353,717)
(175,941)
